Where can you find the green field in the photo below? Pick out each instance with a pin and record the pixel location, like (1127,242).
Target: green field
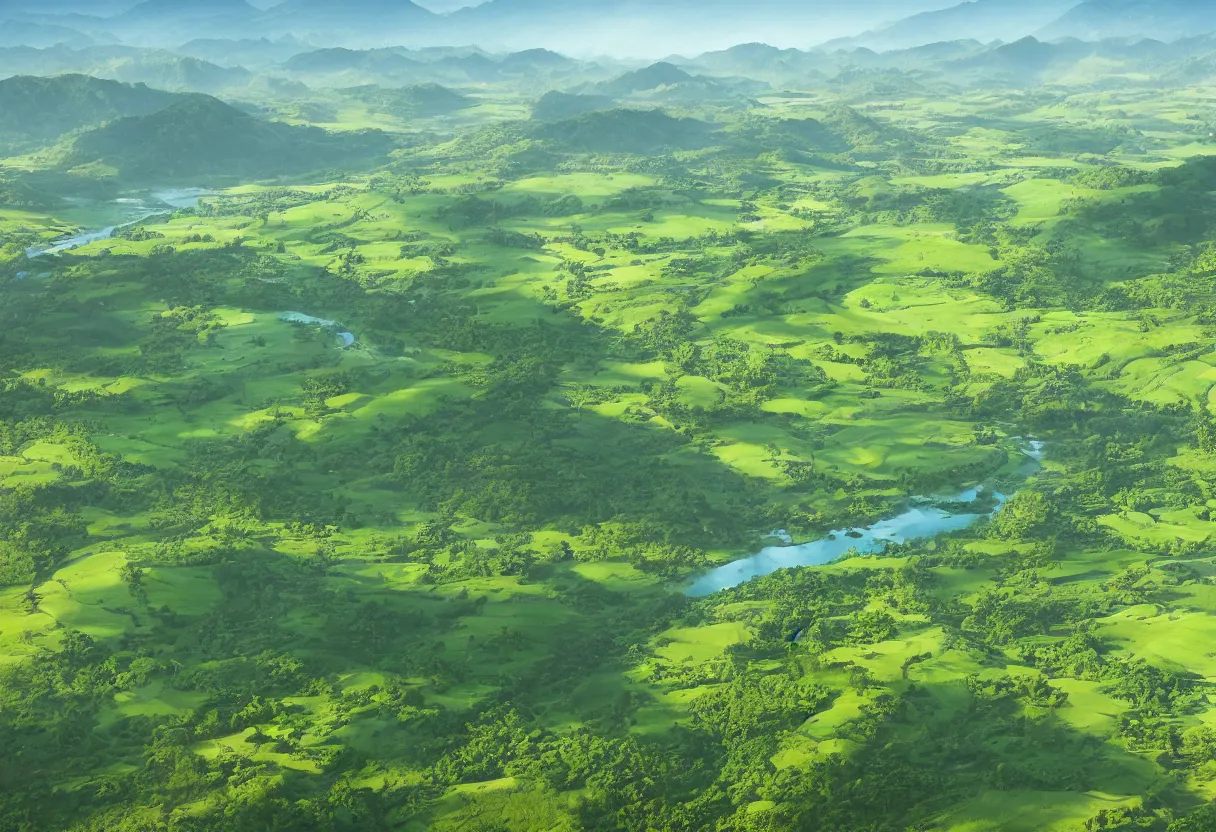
(361,498)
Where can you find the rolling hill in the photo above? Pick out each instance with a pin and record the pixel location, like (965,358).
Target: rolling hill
(418,101)
(200,137)
(758,58)
(532,60)
(555,105)
(661,74)
(626,131)
(44,108)
(156,68)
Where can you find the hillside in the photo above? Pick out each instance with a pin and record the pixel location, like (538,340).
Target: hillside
(1025,61)
(759,59)
(1158,19)
(555,105)
(43,108)
(180,74)
(657,75)
(533,60)
(418,101)
(155,67)
(626,131)
(202,137)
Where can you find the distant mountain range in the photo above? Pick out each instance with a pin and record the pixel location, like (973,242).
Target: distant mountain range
(357,20)
(1158,19)
(982,20)
(340,66)
(649,27)
(42,35)
(622,27)
(628,27)
(952,65)
(157,68)
(1010,20)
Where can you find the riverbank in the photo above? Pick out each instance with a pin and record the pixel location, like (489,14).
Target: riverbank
(133,211)
(924,518)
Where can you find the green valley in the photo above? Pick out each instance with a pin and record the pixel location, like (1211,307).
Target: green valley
(354,477)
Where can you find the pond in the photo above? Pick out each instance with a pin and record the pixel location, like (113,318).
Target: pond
(925,518)
(347,338)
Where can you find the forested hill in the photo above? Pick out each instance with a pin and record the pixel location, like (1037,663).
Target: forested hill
(43,108)
(201,136)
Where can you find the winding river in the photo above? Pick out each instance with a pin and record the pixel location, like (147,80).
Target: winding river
(926,517)
(162,202)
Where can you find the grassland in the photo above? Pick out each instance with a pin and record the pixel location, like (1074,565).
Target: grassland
(430,579)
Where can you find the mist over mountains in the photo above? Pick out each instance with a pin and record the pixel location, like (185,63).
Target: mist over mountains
(249,78)
(636,28)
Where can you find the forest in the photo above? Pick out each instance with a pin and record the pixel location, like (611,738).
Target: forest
(365,426)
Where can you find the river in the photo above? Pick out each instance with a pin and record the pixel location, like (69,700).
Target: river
(925,518)
(134,210)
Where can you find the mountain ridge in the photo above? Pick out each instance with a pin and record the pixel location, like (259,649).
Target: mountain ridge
(200,137)
(44,108)
(1157,19)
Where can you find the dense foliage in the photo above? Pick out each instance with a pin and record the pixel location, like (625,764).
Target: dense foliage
(365,500)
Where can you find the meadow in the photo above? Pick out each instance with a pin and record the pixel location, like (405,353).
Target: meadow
(257,575)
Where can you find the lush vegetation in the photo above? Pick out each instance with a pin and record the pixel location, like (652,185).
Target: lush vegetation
(254,576)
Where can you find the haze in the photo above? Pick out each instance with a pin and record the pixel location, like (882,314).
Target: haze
(607,416)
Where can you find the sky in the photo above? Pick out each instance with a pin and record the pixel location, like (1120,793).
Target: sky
(442,6)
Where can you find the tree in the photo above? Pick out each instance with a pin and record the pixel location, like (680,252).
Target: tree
(1025,513)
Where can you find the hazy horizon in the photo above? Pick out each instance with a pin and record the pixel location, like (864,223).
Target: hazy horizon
(607,416)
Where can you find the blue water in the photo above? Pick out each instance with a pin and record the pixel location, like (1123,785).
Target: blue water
(347,338)
(141,210)
(917,523)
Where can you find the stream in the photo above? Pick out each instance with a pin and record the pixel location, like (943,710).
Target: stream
(156,203)
(925,518)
